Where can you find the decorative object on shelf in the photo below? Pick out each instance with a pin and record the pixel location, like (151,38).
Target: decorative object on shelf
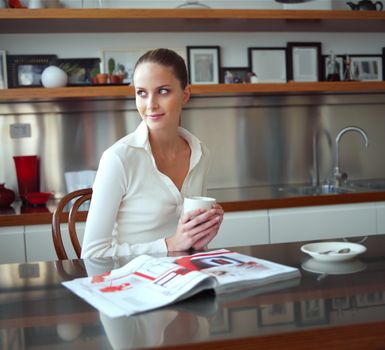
(383,63)
(124,58)
(366,5)
(78,69)
(193,4)
(102,78)
(268,63)
(26,70)
(234,75)
(100,2)
(366,67)
(54,77)
(28,174)
(304,61)
(36,4)
(16,4)
(203,63)
(7,196)
(116,72)
(38,198)
(253,78)
(3,70)
(347,69)
(333,67)
(3,4)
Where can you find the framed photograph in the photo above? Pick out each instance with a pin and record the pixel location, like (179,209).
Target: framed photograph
(3,70)
(220,321)
(26,70)
(276,314)
(370,299)
(79,69)
(328,74)
(311,312)
(366,67)
(203,64)
(304,61)
(341,303)
(234,75)
(125,59)
(268,63)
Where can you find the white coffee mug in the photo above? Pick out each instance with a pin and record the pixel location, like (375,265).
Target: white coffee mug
(196,202)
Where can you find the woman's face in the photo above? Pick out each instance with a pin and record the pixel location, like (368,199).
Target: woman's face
(159,95)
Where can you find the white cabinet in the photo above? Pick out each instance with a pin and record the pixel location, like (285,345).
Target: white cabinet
(380,211)
(39,243)
(242,228)
(322,222)
(12,246)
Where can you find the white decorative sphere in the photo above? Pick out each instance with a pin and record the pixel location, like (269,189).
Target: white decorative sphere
(53,77)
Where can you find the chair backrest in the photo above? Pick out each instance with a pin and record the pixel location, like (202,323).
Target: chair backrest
(78,197)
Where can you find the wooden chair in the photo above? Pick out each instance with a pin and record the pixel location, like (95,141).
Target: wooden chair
(79,197)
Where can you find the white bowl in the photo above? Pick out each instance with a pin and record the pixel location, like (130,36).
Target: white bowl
(315,250)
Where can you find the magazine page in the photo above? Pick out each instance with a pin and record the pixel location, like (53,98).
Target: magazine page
(145,283)
(235,271)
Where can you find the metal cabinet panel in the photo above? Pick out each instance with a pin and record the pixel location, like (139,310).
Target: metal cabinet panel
(12,247)
(39,244)
(242,228)
(322,222)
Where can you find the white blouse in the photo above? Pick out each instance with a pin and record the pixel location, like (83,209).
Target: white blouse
(134,206)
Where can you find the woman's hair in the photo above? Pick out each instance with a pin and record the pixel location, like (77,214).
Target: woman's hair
(167,58)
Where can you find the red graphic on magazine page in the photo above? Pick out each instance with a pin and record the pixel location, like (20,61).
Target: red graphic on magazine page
(100,278)
(117,288)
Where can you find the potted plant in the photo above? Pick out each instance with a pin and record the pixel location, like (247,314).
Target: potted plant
(116,72)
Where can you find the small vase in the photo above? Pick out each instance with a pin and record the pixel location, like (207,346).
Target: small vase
(53,77)
(7,196)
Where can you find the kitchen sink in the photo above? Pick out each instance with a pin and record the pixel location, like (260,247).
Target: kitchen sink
(372,185)
(309,190)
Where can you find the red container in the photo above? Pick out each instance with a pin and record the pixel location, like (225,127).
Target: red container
(27,172)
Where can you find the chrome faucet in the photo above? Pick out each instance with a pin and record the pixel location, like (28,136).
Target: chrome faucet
(337,173)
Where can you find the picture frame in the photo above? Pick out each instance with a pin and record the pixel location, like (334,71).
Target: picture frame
(220,321)
(3,70)
(366,67)
(341,303)
(268,63)
(25,70)
(125,58)
(234,75)
(340,61)
(276,314)
(203,64)
(304,61)
(311,312)
(370,299)
(78,69)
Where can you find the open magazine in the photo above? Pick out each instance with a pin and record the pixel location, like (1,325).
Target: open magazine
(147,282)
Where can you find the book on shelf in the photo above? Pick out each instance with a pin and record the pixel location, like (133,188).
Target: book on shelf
(147,283)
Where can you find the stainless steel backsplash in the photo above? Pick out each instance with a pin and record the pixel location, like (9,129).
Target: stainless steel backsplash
(254,140)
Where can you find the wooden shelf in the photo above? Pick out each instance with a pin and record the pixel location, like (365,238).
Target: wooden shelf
(67,20)
(116,92)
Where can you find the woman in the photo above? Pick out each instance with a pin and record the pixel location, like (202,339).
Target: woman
(142,179)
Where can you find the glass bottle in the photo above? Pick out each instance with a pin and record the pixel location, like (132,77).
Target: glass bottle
(333,68)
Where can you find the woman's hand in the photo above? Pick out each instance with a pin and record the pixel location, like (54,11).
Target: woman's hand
(196,229)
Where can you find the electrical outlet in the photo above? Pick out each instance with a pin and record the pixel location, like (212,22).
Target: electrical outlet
(20,130)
